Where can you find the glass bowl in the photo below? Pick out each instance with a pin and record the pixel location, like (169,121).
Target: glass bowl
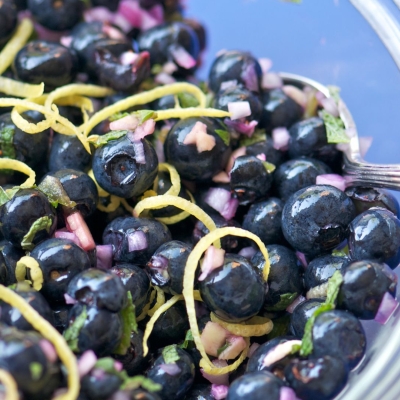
(331,42)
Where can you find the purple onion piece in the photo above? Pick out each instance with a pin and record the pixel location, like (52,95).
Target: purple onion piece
(242,126)
(219,391)
(332,179)
(69,299)
(104,255)
(248,252)
(137,240)
(250,77)
(287,393)
(86,362)
(48,350)
(253,348)
(171,369)
(298,300)
(280,138)
(302,258)
(182,57)
(139,151)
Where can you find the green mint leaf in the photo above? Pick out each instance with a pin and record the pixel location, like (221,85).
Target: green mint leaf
(4,197)
(224,135)
(285,301)
(141,381)
(187,100)
(170,354)
(55,192)
(223,348)
(209,100)
(339,253)
(42,223)
(334,92)
(188,338)
(129,325)
(6,142)
(280,327)
(335,130)
(269,167)
(106,364)
(334,284)
(295,348)
(71,334)
(36,370)
(104,139)
(118,116)
(259,135)
(144,115)
(156,69)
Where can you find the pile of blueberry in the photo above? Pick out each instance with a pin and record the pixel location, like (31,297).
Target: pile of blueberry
(72,248)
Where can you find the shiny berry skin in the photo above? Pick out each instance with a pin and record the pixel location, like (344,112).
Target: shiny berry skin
(9,256)
(60,260)
(364,285)
(42,61)
(375,234)
(315,219)
(119,171)
(19,213)
(99,384)
(112,5)
(301,314)
(192,165)
(266,147)
(8,20)
(235,65)
(224,293)
(57,15)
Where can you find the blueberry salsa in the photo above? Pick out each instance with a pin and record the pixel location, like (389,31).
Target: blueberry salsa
(168,238)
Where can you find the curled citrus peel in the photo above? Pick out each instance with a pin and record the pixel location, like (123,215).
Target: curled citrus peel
(36,274)
(146,308)
(177,217)
(20,89)
(174,177)
(115,201)
(15,165)
(188,285)
(9,384)
(51,334)
(101,192)
(159,303)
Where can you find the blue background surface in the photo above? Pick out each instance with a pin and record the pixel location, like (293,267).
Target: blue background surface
(327,40)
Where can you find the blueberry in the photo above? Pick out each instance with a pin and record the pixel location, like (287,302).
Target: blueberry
(60,260)
(9,255)
(42,61)
(235,65)
(119,169)
(266,147)
(364,285)
(297,174)
(8,20)
(315,219)
(61,316)
(200,391)
(224,293)
(100,385)
(375,234)
(317,379)
(301,314)
(199,30)
(143,394)
(112,5)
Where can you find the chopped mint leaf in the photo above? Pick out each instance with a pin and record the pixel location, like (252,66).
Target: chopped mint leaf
(99,141)
(170,354)
(156,69)
(259,135)
(339,253)
(285,301)
(223,348)
(144,115)
(129,325)
(118,116)
(334,92)
(188,338)
(224,135)
(335,130)
(6,142)
(269,167)
(106,364)
(334,284)
(4,197)
(209,99)
(187,100)
(71,334)
(36,370)
(280,327)
(141,381)
(42,223)
(55,192)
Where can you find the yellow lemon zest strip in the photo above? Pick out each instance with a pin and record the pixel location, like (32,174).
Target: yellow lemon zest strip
(75,101)
(9,384)
(15,165)
(20,89)
(115,201)
(174,176)
(36,273)
(177,217)
(49,333)
(100,190)
(160,301)
(146,308)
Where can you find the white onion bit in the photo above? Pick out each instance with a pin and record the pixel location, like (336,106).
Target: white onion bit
(86,362)
(170,369)
(386,309)
(271,80)
(248,252)
(213,258)
(278,352)
(213,338)
(164,79)
(130,122)
(295,94)
(219,391)
(239,109)
(48,350)
(69,299)
(236,345)
(77,225)
(182,57)
(228,84)
(67,235)
(137,240)
(332,179)
(140,157)
(199,136)
(128,57)
(104,256)
(217,379)
(147,128)
(280,138)
(265,64)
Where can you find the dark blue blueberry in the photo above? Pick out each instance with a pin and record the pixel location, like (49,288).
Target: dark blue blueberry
(279,110)
(256,386)
(167,266)
(315,219)
(192,165)
(264,220)
(120,231)
(339,334)
(61,316)
(9,255)
(19,213)
(125,169)
(57,15)
(297,174)
(8,20)
(199,30)
(173,386)
(41,61)
(112,5)
(98,288)
(266,147)
(235,65)
(317,378)
(301,314)
(136,281)
(224,293)
(200,391)
(100,385)
(364,285)
(60,260)
(375,234)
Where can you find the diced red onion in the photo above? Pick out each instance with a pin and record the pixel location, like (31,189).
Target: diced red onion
(261,157)
(219,392)
(159,147)
(364,143)
(236,345)
(86,362)
(67,235)
(148,21)
(157,12)
(128,57)
(122,23)
(271,80)
(112,32)
(239,109)
(121,395)
(147,128)
(199,136)
(132,12)
(139,152)
(230,208)
(159,264)
(137,240)
(265,64)
(182,57)
(253,348)
(101,14)
(248,252)
(213,338)
(69,299)
(104,256)
(169,68)
(66,40)
(118,366)
(280,138)
(386,309)
(287,393)
(250,78)
(244,127)
(213,258)
(217,379)
(221,177)
(302,258)
(298,300)
(171,369)
(76,224)
(295,94)
(220,199)
(48,350)
(240,151)
(130,122)
(228,84)
(278,352)
(330,106)
(331,179)
(164,79)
